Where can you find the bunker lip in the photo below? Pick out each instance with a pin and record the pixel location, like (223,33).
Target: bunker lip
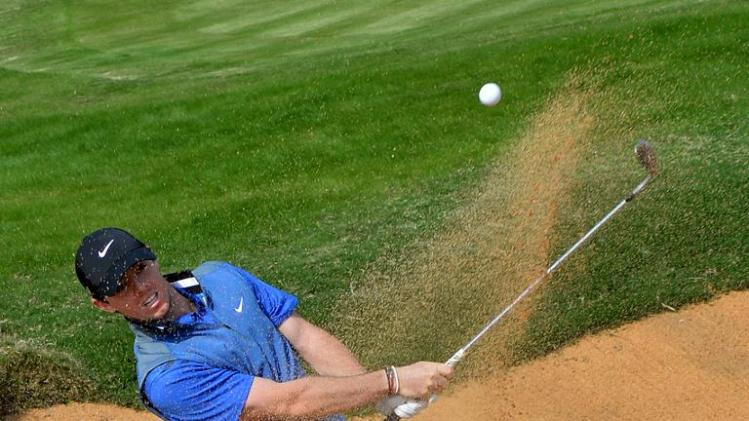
(85,411)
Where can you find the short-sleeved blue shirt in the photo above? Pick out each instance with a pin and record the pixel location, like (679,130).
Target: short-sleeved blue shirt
(191,390)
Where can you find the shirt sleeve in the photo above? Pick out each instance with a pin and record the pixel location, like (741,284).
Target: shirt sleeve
(191,391)
(278,305)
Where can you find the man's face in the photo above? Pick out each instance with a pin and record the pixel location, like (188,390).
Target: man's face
(144,295)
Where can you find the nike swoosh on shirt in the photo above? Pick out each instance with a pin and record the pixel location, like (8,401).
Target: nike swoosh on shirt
(104,252)
(239,309)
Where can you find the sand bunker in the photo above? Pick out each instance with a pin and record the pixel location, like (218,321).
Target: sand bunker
(690,365)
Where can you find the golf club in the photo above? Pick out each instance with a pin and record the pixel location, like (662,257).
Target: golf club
(646,157)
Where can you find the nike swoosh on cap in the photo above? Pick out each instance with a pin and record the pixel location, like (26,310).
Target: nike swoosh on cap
(241,302)
(104,251)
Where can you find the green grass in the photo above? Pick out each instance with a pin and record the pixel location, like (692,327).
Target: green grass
(303,140)
(686,239)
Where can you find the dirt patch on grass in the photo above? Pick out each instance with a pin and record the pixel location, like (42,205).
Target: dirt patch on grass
(33,375)
(429,305)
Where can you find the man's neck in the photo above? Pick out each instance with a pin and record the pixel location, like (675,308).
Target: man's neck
(179,305)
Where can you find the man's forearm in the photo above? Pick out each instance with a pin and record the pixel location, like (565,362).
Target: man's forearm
(311,397)
(326,354)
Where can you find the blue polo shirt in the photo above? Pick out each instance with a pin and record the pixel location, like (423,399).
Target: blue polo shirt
(206,361)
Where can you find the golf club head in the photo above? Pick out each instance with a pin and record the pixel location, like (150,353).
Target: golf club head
(646,156)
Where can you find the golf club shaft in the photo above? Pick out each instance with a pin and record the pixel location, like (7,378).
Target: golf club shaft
(453,361)
(551,269)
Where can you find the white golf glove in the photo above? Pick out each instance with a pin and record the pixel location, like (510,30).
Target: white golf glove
(402,407)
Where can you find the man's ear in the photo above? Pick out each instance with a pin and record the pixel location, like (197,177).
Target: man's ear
(103,305)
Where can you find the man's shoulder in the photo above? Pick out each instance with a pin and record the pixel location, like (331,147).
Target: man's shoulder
(222,282)
(216,272)
(219,267)
(212,265)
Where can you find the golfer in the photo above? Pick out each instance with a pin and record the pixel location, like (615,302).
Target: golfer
(217,343)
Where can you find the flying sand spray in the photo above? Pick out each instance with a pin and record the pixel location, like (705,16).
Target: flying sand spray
(646,156)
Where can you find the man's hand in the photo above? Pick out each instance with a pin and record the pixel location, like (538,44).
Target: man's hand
(417,381)
(422,379)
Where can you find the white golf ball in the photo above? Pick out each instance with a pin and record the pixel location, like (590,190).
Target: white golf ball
(490,94)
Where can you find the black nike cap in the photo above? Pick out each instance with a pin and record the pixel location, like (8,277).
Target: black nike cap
(104,256)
